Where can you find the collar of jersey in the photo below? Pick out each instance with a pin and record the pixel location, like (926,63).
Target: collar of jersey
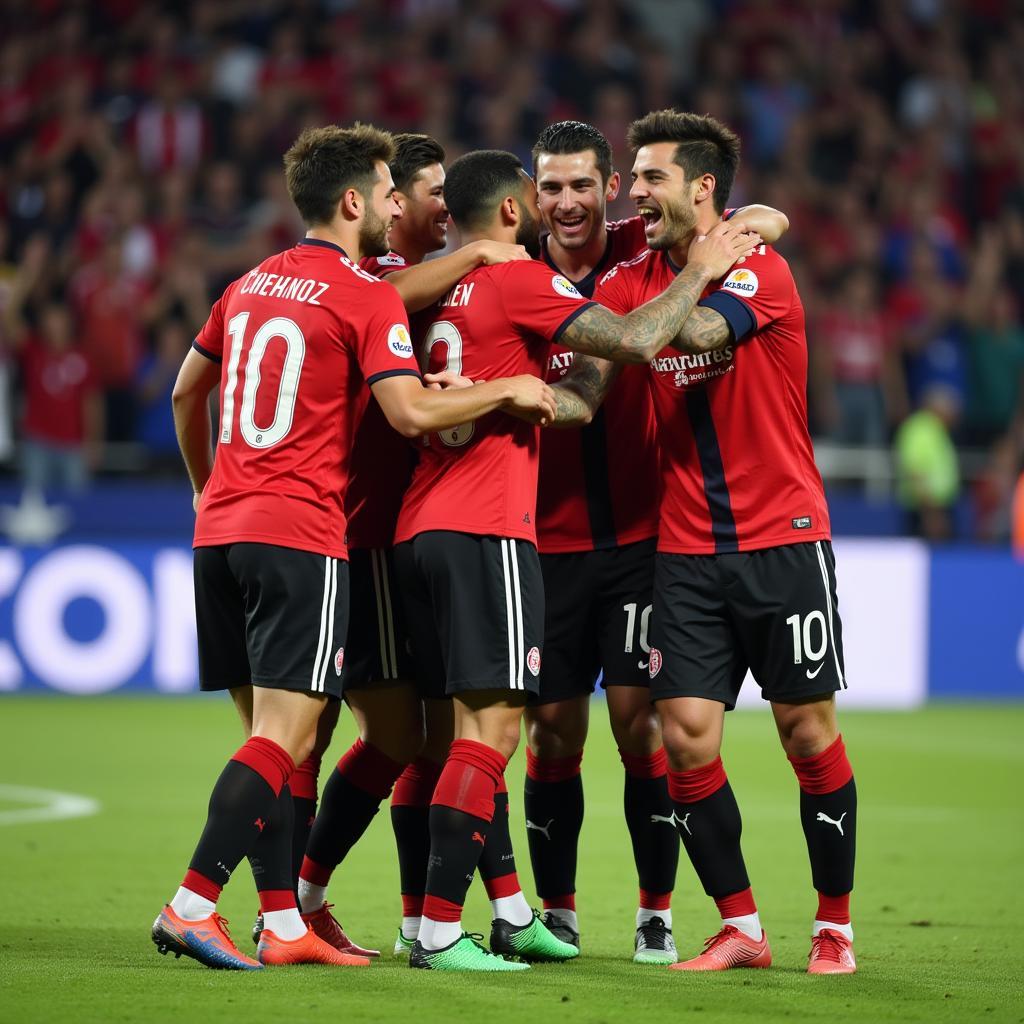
(672,266)
(323,245)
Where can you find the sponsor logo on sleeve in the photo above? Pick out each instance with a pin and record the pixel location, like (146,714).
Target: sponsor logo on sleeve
(399,341)
(565,287)
(743,282)
(533,661)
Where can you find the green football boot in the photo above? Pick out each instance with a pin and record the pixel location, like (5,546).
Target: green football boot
(465,954)
(403,946)
(533,942)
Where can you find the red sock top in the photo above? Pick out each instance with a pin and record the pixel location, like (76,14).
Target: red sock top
(552,769)
(469,780)
(825,772)
(481,756)
(650,766)
(271,762)
(369,769)
(304,779)
(697,783)
(415,786)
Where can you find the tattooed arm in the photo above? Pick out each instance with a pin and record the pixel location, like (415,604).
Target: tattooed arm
(579,394)
(705,330)
(639,335)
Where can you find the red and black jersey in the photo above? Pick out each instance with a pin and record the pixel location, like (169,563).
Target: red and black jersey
(599,483)
(481,477)
(738,467)
(382,460)
(299,337)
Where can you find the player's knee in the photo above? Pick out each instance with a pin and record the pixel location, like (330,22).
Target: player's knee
(637,732)
(689,742)
(807,734)
(551,736)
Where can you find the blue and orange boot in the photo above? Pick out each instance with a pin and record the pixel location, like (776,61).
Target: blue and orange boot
(207,940)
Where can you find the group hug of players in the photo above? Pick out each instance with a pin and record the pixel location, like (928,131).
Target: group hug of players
(456,492)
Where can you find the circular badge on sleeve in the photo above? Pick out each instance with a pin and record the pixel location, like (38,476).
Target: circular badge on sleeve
(399,341)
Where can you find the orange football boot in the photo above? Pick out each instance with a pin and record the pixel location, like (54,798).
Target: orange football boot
(310,949)
(729,948)
(831,953)
(207,941)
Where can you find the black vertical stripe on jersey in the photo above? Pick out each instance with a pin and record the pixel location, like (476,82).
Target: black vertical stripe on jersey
(596,482)
(716,490)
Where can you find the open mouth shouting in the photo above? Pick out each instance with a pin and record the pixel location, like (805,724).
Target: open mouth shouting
(651,216)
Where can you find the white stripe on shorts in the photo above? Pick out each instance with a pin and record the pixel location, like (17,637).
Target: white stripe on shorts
(328,653)
(828,608)
(323,624)
(509,615)
(519,614)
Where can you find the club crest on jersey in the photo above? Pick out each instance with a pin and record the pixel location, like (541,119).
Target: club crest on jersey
(655,663)
(533,661)
(339,660)
(743,282)
(565,287)
(399,341)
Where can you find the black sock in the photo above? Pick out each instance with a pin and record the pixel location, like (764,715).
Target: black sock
(710,827)
(345,813)
(270,857)
(830,828)
(240,807)
(652,830)
(498,859)
(457,840)
(554,817)
(412,838)
(303,815)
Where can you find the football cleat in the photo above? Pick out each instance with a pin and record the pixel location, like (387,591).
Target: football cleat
(403,945)
(207,941)
(531,942)
(309,949)
(654,943)
(831,953)
(326,925)
(560,928)
(729,948)
(464,954)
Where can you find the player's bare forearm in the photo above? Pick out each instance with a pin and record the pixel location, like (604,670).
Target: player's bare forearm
(580,393)
(769,223)
(425,283)
(705,330)
(639,335)
(413,409)
(190,401)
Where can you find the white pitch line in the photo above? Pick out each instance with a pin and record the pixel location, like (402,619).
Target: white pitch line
(53,806)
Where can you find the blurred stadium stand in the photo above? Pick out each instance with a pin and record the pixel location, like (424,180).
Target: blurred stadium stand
(140,147)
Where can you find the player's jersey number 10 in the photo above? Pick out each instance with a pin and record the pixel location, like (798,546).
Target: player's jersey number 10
(288,387)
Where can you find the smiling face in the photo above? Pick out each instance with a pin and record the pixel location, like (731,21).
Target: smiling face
(424,214)
(572,196)
(663,196)
(381,212)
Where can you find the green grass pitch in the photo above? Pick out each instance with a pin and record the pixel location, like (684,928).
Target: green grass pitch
(937,907)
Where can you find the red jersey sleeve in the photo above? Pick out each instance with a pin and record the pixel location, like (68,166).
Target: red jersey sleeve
(381,266)
(616,291)
(540,300)
(210,340)
(383,343)
(754,294)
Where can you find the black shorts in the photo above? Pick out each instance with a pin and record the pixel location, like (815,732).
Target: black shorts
(475,608)
(774,611)
(597,615)
(270,616)
(378,643)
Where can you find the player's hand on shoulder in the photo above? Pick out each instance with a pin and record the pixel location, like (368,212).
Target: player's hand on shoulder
(446,379)
(492,253)
(530,399)
(722,246)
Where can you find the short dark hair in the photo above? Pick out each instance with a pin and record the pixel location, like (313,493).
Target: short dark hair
(703,146)
(565,137)
(477,182)
(323,162)
(413,152)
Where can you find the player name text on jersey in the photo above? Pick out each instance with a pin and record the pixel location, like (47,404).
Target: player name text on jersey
(276,286)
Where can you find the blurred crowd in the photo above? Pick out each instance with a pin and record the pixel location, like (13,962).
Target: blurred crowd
(140,149)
